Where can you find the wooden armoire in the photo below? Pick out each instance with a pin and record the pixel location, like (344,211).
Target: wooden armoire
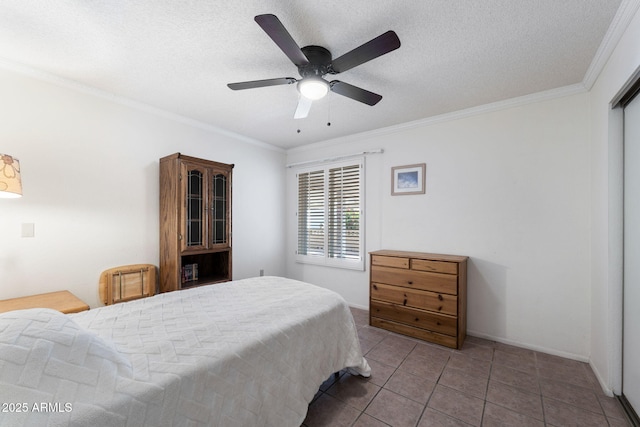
(195,222)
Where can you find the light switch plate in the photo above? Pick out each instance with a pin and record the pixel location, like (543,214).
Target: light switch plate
(28,229)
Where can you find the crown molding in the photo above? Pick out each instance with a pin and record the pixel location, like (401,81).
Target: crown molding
(448,117)
(621,21)
(89,90)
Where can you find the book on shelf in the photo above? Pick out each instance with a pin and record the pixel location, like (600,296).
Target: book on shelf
(189,272)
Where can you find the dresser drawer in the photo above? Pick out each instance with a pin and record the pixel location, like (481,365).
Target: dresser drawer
(417,318)
(435,282)
(422,334)
(434,266)
(426,300)
(390,261)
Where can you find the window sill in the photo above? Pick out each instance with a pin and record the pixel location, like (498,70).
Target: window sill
(321,261)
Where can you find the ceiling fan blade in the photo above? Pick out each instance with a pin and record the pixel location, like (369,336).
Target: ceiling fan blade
(304,105)
(372,49)
(274,29)
(262,83)
(354,92)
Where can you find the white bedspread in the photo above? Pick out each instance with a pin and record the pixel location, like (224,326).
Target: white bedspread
(245,353)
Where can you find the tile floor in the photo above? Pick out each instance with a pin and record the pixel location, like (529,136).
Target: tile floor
(414,383)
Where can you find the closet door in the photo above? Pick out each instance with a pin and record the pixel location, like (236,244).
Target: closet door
(631,319)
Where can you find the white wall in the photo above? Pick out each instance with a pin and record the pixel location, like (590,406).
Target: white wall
(606,209)
(509,189)
(90,182)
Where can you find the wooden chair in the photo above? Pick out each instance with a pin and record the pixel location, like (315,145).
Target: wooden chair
(127,282)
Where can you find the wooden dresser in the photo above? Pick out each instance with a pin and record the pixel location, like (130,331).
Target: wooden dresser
(419,294)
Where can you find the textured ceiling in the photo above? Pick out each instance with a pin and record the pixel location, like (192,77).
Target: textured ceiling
(178,56)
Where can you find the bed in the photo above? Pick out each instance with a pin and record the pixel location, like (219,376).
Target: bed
(250,352)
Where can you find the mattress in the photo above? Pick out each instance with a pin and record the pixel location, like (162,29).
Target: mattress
(250,352)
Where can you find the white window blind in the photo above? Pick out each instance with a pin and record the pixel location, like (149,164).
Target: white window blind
(331,215)
(311,213)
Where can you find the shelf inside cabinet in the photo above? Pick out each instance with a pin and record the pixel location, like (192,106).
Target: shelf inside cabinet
(211,267)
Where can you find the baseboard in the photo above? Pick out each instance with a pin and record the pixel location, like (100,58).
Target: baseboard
(540,349)
(605,388)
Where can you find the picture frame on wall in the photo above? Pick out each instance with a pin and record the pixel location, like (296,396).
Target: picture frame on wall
(409,179)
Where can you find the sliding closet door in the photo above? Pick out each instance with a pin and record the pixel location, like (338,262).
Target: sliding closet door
(631,319)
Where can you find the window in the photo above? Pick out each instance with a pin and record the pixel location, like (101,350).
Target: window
(331,215)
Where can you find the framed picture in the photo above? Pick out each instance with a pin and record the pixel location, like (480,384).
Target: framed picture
(408,179)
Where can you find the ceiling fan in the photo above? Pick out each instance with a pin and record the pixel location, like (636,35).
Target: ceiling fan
(314,62)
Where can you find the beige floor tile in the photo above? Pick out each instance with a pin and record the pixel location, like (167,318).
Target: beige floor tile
(423,367)
(395,410)
(525,362)
(619,422)
(515,378)
(432,351)
(411,386)
(456,404)
(368,421)
(484,384)
(433,418)
(475,367)
(464,382)
(372,334)
(564,415)
(390,352)
(497,416)
(354,391)
(569,373)
(574,395)
(529,404)
(476,351)
(611,407)
(380,373)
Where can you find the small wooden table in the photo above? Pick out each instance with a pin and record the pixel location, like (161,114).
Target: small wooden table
(63,301)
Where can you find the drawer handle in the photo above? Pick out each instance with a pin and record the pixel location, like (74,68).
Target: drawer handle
(375,287)
(440,297)
(410,282)
(440,308)
(404,302)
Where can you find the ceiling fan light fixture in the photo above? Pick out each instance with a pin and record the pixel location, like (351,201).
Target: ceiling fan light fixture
(314,62)
(313,88)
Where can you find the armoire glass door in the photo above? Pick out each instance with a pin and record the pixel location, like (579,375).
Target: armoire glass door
(194,231)
(219,209)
